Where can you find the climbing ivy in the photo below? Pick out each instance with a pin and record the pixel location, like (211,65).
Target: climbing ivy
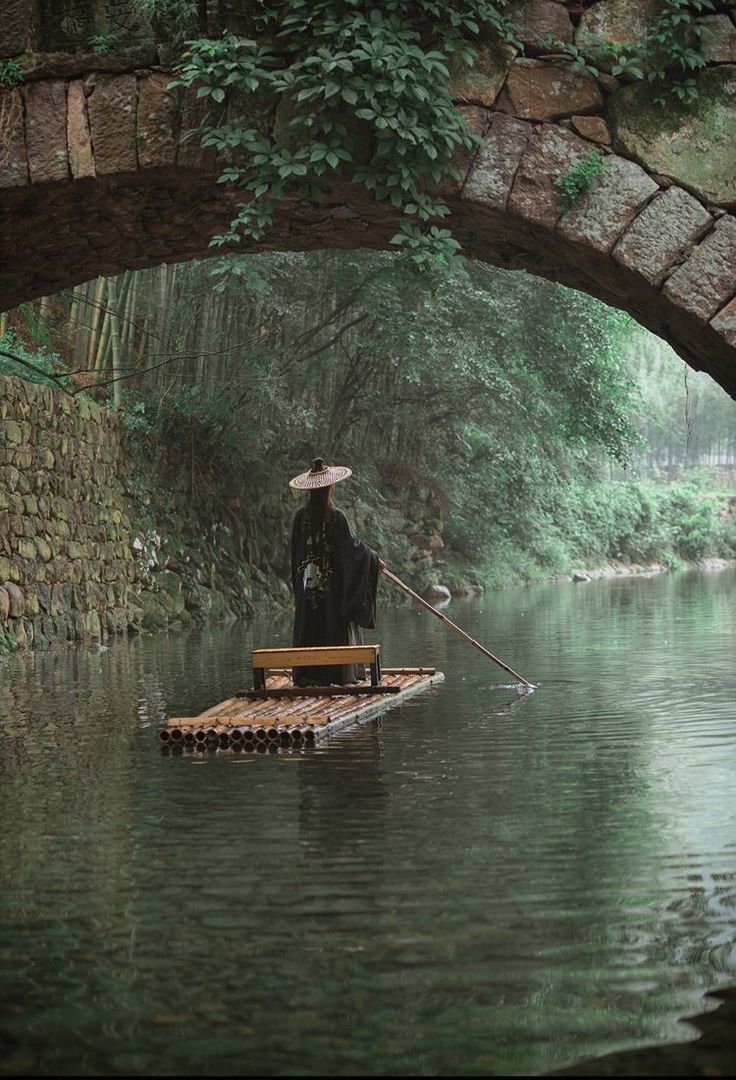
(174,20)
(675,45)
(104,43)
(362,92)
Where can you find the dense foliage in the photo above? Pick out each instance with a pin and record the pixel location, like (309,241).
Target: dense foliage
(363,93)
(674,46)
(481,417)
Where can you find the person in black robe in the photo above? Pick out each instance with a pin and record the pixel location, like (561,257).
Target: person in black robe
(334,576)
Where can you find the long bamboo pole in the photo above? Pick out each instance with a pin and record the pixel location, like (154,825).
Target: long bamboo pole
(448,622)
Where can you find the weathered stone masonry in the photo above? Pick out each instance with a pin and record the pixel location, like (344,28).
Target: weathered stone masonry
(65,552)
(94,177)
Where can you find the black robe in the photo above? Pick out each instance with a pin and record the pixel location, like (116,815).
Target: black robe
(334,576)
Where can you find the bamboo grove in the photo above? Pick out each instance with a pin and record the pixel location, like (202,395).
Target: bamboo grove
(478,414)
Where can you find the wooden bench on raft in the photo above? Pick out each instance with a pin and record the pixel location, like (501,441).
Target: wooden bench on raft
(264,660)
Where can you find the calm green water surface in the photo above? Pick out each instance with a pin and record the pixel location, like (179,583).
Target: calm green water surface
(480,883)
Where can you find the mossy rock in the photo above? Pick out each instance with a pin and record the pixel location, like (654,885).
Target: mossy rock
(618,22)
(481,83)
(693,143)
(218,606)
(153,614)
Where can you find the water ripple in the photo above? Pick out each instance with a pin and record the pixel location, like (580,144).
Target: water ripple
(484,881)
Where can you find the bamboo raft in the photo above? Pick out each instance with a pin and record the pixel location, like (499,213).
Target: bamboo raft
(276,714)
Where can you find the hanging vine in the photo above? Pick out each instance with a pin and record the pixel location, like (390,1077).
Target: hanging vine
(328,90)
(363,92)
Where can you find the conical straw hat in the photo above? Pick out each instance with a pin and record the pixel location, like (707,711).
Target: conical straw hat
(320,475)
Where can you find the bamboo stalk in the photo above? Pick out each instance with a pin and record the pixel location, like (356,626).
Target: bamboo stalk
(113,298)
(448,622)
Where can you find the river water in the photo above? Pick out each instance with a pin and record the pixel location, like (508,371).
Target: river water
(481,882)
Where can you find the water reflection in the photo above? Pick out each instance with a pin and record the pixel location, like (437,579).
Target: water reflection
(482,882)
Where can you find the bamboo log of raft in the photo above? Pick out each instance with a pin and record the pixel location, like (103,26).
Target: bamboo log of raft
(268,725)
(448,622)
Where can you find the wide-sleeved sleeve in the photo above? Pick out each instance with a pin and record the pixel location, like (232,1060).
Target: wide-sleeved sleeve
(359,574)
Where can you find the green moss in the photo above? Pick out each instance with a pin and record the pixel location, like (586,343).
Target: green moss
(694,142)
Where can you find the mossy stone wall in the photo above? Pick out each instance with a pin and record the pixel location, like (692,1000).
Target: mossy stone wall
(66,561)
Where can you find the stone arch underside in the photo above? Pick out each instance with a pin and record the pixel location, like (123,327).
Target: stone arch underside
(94,179)
(63,234)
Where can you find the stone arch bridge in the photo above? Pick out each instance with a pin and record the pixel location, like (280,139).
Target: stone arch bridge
(94,177)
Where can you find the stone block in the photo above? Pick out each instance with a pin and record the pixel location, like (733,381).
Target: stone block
(551,152)
(16,27)
(535,20)
(43,591)
(26,549)
(31,600)
(725,323)
(481,83)
(43,549)
(721,47)
(620,22)
(71,65)
(58,603)
(13,154)
(601,214)
(111,102)
(12,432)
(477,120)
(693,143)
(544,90)
(45,104)
(593,128)
(155,121)
(16,599)
(81,160)
(707,280)
(4,604)
(492,174)
(665,229)
(23,458)
(189,151)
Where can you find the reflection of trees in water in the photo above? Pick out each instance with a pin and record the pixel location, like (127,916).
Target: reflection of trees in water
(698,929)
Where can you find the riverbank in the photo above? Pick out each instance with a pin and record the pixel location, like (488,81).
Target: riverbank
(171,600)
(712,1053)
(618,569)
(106,529)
